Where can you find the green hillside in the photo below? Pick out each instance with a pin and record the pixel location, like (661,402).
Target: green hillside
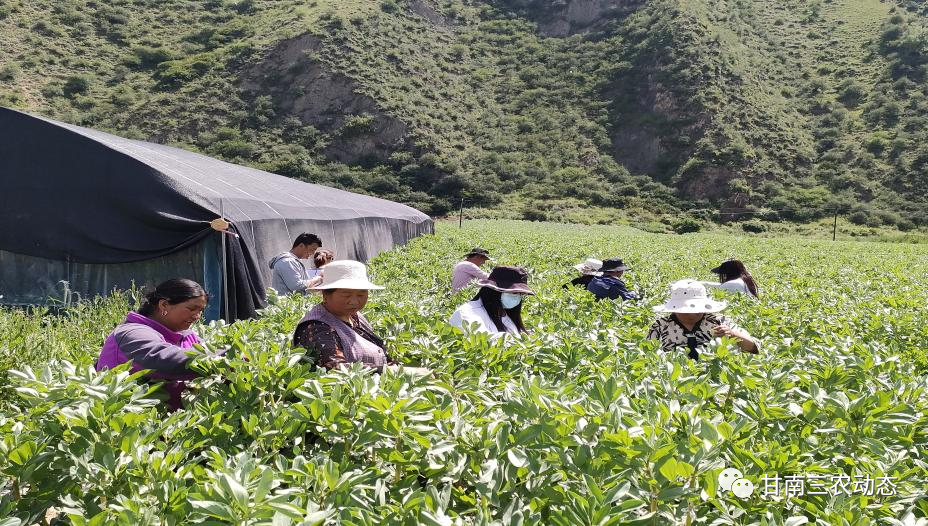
(780,109)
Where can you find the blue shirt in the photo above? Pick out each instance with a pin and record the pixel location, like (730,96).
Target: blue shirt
(610,287)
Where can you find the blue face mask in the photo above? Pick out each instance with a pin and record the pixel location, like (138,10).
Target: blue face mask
(510,301)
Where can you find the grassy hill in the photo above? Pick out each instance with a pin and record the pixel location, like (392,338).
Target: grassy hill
(780,109)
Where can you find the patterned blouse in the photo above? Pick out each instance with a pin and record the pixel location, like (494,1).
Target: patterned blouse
(672,334)
(324,342)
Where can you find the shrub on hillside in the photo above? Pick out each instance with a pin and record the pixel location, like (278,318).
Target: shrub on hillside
(50,91)
(877,142)
(148,56)
(858,217)
(76,85)
(754,226)
(10,99)
(47,29)
(533,212)
(333,21)
(177,72)
(245,7)
(886,217)
(851,93)
(686,225)
(356,125)
(236,148)
(9,72)
(68,15)
(6,9)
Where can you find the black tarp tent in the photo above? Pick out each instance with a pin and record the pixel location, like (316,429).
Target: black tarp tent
(91,211)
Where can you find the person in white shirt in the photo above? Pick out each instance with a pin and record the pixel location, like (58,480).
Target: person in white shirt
(469,270)
(321,258)
(734,277)
(497,307)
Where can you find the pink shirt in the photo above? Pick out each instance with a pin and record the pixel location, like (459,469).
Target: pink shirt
(464,273)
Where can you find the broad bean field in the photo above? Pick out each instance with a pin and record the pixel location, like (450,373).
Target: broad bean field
(582,422)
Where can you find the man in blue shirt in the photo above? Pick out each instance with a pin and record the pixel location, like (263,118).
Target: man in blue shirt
(610,284)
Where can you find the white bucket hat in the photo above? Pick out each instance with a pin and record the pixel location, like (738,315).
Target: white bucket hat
(346,274)
(590,266)
(689,296)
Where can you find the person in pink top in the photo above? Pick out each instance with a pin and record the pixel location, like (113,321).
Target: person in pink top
(158,336)
(468,271)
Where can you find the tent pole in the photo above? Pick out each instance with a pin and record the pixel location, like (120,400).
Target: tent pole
(225,271)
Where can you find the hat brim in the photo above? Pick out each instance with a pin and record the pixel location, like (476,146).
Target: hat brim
(353,284)
(702,307)
(716,270)
(622,268)
(587,270)
(512,288)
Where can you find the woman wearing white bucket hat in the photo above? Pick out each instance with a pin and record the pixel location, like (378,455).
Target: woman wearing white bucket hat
(692,321)
(335,330)
(588,269)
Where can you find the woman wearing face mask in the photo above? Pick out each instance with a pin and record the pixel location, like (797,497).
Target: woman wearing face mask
(335,331)
(158,336)
(497,307)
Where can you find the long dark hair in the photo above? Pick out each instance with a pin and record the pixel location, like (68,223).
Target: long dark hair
(734,269)
(494,306)
(175,290)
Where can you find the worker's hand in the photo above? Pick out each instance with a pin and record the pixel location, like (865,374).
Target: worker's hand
(725,330)
(313,282)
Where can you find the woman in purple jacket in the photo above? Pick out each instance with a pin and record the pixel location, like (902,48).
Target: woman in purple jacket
(158,336)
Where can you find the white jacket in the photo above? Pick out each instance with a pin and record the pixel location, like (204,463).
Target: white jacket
(735,285)
(473,312)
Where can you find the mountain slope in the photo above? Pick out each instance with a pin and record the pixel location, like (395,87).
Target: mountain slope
(782,109)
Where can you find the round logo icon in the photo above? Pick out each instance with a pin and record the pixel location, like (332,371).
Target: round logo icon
(728,476)
(742,488)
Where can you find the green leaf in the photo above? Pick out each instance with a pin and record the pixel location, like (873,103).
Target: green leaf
(234,489)
(213,509)
(669,468)
(264,485)
(517,457)
(23,453)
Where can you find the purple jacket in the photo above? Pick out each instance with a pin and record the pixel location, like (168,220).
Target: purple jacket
(151,345)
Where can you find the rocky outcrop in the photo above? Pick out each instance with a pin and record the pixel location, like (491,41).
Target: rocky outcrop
(307,88)
(655,130)
(428,12)
(561,18)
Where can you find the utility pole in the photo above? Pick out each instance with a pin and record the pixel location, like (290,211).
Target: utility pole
(834,232)
(461,215)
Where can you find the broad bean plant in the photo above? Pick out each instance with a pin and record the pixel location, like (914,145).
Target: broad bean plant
(583,421)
